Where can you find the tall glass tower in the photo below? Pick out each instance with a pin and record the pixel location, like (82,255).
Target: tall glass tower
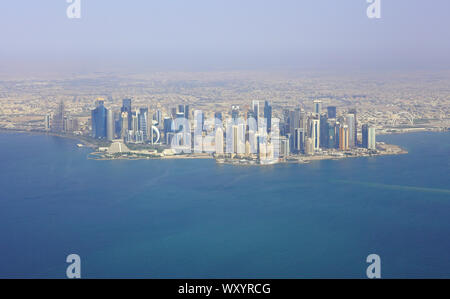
(99,115)
(268,115)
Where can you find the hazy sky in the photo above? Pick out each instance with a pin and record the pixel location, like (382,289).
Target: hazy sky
(224,34)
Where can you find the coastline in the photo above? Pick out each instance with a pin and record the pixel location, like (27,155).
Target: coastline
(386,149)
(80,139)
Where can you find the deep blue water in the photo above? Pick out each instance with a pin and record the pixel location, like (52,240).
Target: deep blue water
(196,219)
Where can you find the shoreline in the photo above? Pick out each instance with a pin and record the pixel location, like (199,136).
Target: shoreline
(72,137)
(386,150)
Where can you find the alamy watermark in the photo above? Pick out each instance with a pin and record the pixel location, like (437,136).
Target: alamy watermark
(374,269)
(74,269)
(374,9)
(74,9)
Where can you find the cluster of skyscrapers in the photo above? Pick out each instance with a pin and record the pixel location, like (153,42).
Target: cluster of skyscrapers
(310,132)
(59,122)
(131,126)
(252,133)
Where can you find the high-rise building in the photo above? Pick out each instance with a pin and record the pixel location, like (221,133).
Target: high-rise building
(268,115)
(332,142)
(124,126)
(137,135)
(331,111)
(238,138)
(199,121)
(173,113)
(126,107)
(235,111)
(372,139)
(284,146)
(98,119)
(58,119)
(343,138)
(324,141)
(351,123)
(299,140)
(134,122)
(317,107)
(368,137)
(158,116)
(294,120)
(255,107)
(109,125)
(241,138)
(251,114)
(219,141)
(168,129)
(355,127)
(47,122)
(185,110)
(315,133)
(218,115)
(143,123)
(309,146)
(70,124)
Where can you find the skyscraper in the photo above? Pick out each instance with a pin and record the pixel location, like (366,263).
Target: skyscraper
(255,107)
(294,120)
(331,110)
(299,140)
(251,114)
(284,146)
(126,107)
(354,136)
(317,107)
(235,111)
(324,131)
(58,119)
(268,115)
(332,142)
(185,110)
(158,116)
(199,121)
(143,123)
(98,118)
(309,146)
(168,129)
(124,126)
(218,115)
(368,137)
(109,125)
(47,122)
(219,141)
(351,123)
(315,133)
(343,137)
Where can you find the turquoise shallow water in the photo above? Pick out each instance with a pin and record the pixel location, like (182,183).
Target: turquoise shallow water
(196,219)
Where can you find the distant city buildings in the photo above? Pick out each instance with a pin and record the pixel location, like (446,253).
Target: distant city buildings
(368,137)
(99,119)
(331,110)
(57,124)
(317,107)
(242,134)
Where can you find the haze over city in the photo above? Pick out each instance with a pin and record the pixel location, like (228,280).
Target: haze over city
(142,36)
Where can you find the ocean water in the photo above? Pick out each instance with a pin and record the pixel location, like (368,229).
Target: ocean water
(197,219)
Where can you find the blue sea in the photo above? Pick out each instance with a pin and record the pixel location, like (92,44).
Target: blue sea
(197,219)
